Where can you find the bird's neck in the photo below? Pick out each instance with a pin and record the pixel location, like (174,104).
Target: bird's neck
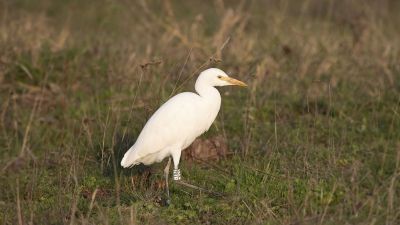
(208,93)
(211,103)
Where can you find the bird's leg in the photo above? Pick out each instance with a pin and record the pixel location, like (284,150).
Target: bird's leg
(176,155)
(176,175)
(166,173)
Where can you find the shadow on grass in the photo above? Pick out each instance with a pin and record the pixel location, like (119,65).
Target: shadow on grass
(112,165)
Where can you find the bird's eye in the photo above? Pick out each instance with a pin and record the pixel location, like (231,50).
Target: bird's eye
(219,77)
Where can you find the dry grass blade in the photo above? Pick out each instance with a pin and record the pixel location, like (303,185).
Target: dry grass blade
(19,210)
(180,72)
(92,203)
(211,59)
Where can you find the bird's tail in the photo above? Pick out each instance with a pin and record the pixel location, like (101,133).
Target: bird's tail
(129,158)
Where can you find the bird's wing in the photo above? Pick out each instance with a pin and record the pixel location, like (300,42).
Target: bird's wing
(175,121)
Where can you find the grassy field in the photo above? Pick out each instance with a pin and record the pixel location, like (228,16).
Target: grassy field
(315,139)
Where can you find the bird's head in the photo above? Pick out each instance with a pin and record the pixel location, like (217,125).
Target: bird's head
(217,77)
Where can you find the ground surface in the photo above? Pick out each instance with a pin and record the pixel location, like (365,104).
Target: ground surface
(314,139)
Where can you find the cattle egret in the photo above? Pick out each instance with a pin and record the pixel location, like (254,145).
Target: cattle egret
(178,122)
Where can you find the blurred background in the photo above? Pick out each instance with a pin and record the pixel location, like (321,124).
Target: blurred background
(314,139)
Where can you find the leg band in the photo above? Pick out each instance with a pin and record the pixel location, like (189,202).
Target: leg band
(176,174)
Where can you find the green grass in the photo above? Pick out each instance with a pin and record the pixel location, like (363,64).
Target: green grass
(314,139)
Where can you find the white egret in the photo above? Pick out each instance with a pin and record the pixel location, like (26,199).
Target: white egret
(178,122)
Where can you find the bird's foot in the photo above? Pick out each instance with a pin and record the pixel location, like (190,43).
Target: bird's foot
(165,201)
(176,175)
(183,183)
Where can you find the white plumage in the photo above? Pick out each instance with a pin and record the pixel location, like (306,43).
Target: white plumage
(179,121)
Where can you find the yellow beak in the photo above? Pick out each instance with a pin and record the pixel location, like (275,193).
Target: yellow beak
(234,81)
